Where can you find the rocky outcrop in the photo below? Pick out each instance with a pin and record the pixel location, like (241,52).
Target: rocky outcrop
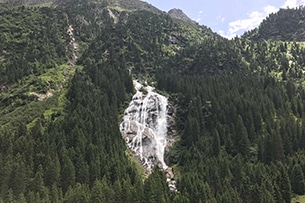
(144,126)
(178,14)
(170,179)
(147,128)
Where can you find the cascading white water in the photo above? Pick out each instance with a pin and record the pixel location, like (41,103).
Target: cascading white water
(144,126)
(161,129)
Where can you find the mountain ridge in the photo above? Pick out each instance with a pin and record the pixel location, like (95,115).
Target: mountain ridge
(286,25)
(127,4)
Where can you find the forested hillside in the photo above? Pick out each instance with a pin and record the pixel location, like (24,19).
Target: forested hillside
(66,76)
(285,25)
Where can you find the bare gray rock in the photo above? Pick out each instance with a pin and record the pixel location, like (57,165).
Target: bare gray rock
(180,15)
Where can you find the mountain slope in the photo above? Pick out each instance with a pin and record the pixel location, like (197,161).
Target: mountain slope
(72,145)
(134,5)
(45,142)
(126,4)
(285,25)
(238,106)
(30,2)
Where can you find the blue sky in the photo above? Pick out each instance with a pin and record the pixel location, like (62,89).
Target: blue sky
(228,18)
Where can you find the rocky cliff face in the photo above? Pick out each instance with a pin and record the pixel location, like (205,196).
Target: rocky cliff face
(144,126)
(147,128)
(178,14)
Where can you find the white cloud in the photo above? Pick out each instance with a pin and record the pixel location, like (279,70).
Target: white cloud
(221,19)
(293,3)
(226,35)
(270,9)
(255,18)
(246,24)
(198,19)
(290,4)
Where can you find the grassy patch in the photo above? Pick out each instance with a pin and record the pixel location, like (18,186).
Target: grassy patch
(18,105)
(300,199)
(45,5)
(31,124)
(25,114)
(119,9)
(177,173)
(54,76)
(56,109)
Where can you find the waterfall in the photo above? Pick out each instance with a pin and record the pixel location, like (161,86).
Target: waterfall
(144,126)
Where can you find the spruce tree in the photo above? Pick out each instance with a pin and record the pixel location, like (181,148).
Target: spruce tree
(297,180)
(242,140)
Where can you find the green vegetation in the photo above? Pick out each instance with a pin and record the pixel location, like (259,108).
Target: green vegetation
(32,41)
(300,199)
(239,104)
(285,25)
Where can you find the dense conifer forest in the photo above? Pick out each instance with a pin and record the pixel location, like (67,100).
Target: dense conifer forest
(239,105)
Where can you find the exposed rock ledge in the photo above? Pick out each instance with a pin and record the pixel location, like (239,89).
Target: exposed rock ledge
(180,15)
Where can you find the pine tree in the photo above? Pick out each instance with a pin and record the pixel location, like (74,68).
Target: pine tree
(297,180)
(277,146)
(67,172)
(97,193)
(283,181)
(52,171)
(216,143)
(78,193)
(38,185)
(55,194)
(155,188)
(10,198)
(242,140)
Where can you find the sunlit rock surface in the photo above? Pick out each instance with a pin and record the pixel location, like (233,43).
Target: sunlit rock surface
(145,128)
